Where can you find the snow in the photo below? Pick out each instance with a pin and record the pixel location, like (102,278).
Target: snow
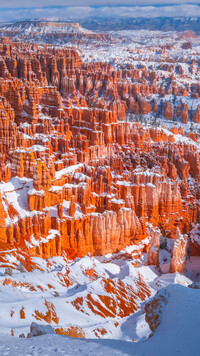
(58,345)
(36,192)
(55,189)
(46,283)
(68,170)
(78,213)
(36,148)
(117,201)
(14,193)
(195,234)
(32,289)
(45,27)
(177,334)
(37,330)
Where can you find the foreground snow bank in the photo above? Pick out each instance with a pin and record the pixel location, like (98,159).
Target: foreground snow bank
(59,345)
(177,334)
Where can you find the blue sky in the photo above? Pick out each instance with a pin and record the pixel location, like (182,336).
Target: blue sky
(63,9)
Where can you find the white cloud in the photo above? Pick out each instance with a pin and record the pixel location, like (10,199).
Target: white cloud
(104,11)
(48,3)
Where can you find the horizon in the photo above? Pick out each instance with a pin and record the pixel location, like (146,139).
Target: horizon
(20,10)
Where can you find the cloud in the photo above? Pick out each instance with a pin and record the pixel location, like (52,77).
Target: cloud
(51,3)
(69,12)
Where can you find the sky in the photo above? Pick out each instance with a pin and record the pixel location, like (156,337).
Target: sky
(66,9)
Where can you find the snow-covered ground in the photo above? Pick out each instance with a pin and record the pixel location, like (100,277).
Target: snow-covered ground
(93,297)
(142,47)
(177,334)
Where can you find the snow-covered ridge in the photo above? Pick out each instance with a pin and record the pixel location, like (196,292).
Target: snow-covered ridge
(43,27)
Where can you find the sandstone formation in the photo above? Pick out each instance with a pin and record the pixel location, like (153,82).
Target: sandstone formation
(154,247)
(76,176)
(179,253)
(196,115)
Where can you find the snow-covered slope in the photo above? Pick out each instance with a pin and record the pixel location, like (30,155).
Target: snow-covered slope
(44,27)
(92,297)
(177,334)
(40,31)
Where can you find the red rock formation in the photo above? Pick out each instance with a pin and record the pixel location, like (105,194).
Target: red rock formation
(182,111)
(194,241)
(154,247)
(179,253)
(168,110)
(187,45)
(196,115)
(88,181)
(194,136)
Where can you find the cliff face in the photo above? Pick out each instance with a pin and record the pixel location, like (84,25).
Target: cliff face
(76,177)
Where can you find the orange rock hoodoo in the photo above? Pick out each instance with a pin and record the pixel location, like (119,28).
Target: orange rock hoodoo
(83,179)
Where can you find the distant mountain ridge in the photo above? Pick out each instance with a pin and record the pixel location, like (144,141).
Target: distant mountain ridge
(107,24)
(129,23)
(45,31)
(42,25)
